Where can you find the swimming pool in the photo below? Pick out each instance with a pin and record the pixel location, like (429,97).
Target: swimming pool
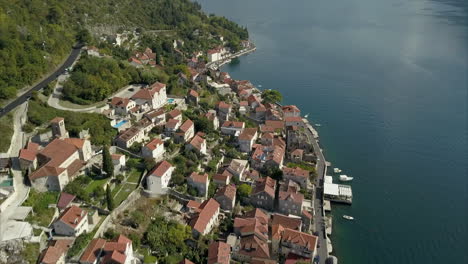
(119,124)
(170,100)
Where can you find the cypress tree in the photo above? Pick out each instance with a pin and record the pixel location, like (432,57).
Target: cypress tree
(110,200)
(107,164)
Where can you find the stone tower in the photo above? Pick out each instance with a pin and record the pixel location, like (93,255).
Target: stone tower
(58,127)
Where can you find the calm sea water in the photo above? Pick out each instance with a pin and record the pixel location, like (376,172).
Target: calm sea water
(387,79)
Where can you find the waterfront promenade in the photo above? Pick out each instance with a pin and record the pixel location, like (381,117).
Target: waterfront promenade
(319,213)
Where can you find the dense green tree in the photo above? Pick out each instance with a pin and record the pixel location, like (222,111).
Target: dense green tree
(107,164)
(244,190)
(109,199)
(272,96)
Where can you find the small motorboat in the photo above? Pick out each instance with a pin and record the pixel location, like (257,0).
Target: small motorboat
(306,116)
(345,178)
(347,217)
(318,125)
(336,170)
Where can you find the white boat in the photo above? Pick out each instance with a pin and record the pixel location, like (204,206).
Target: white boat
(306,116)
(336,170)
(345,178)
(318,125)
(347,217)
(259,85)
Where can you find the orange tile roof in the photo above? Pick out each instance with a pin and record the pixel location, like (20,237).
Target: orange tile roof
(193,93)
(119,101)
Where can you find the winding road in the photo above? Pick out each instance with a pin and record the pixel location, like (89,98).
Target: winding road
(24,97)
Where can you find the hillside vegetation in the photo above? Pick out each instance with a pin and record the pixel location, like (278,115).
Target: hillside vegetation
(36,35)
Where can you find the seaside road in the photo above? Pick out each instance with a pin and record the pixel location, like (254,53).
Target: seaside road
(24,97)
(318,201)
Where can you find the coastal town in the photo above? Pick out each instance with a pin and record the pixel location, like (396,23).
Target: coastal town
(221,174)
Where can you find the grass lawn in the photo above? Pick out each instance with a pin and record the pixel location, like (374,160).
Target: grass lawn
(31,252)
(124,192)
(95,183)
(134,176)
(42,214)
(210,99)
(6,132)
(71,105)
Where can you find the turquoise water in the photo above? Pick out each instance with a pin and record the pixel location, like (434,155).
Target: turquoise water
(387,79)
(119,124)
(171,100)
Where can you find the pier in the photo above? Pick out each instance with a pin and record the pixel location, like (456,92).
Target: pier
(217,64)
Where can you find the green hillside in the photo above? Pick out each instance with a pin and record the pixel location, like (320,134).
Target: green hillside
(35,35)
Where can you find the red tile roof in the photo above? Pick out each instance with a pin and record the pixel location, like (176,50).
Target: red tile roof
(208,210)
(186,261)
(248,134)
(254,247)
(229,191)
(72,216)
(200,178)
(119,101)
(55,250)
(296,172)
(57,119)
(116,156)
(153,144)
(266,185)
(222,105)
(186,126)
(193,93)
(161,168)
(286,221)
(27,154)
(93,250)
(172,123)
(219,253)
(77,142)
(57,152)
(293,119)
(65,200)
(197,142)
(291,109)
(174,113)
(233,124)
(157,86)
(299,238)
(275,124)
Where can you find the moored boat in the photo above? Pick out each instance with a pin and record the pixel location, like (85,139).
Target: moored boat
(336,170)
(345,178)
(347,217)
